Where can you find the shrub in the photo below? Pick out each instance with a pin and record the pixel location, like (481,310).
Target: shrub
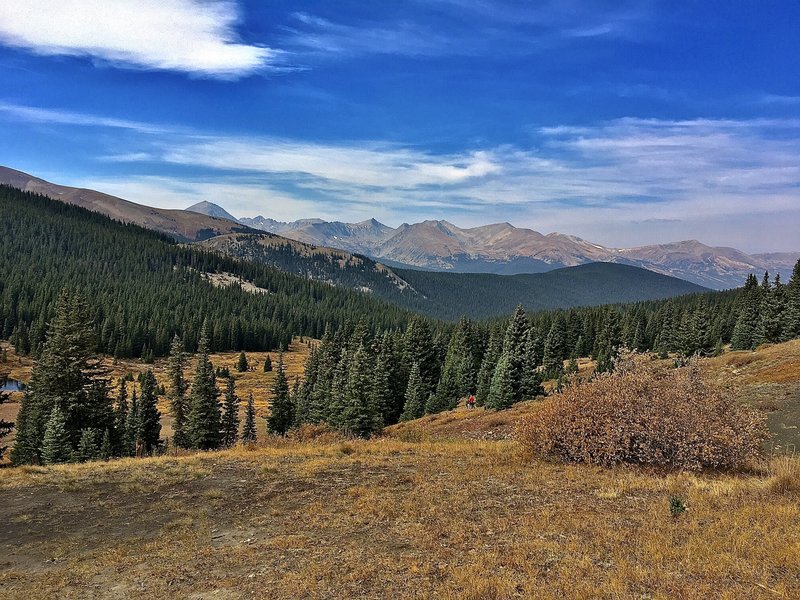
(668,417)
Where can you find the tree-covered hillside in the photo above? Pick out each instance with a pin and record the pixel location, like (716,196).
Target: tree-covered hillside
(448,296)
(143,287)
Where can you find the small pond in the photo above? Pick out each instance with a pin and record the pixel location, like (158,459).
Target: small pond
(11,385)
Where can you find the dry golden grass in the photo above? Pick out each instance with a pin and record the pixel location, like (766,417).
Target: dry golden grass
(784,474)
(255,381)
(390,519)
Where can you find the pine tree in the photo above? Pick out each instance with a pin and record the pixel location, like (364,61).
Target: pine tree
(380,388)
(792,313)
(554,349)
(415,396)
(515,344)
(420,348)
(132,425)
(118,433)
(203,420)
(501,391)
(149,419)
(360,415)
(87,446)
(177,388)
(106,446)
(230,415)
(249,429)
(773,305)
(280,417)
(267,364)
(56,445)
(458,372)
(66,373)
(746,331)
(488,365)
(241,364)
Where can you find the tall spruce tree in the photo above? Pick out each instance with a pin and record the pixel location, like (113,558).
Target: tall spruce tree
(360,415)
(149,420)
(501,392)
(66,374)
(420,348)
(488,365)
(746,331)
(176,393)
(118,439)
(88,449)
(241,363)
(56,444)
(280,417)
(203,421)
(792,312)
(249,428)
(555,347)
(380,387)
(132,425)
(415,397)
(230,415)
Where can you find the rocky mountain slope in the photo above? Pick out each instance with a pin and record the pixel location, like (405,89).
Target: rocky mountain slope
(503,249)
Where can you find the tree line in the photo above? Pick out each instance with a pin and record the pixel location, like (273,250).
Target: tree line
(145,287)
(358,379)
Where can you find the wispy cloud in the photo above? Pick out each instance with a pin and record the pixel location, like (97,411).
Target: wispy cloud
(624,181)
(191,36)
(34,114)
(468,28)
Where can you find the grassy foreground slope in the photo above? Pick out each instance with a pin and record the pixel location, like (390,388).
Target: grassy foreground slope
(389,519)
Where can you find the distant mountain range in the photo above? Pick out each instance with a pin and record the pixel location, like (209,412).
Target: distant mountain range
(431,245)
(504,249)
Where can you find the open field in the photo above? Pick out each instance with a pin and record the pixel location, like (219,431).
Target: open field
(255,380)
(389,519)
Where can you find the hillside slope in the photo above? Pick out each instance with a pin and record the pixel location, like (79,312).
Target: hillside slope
(448,296)
(181,224)
(144,287)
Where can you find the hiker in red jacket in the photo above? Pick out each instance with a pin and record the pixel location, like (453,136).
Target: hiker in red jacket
(471,402)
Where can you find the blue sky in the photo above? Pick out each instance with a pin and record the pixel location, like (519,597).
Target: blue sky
(625,123)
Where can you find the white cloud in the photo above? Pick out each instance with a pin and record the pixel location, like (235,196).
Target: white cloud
(33,114)
(624,182)
(359,164)
(191,36)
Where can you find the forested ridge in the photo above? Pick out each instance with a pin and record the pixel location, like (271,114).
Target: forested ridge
(144,287)
(448,296)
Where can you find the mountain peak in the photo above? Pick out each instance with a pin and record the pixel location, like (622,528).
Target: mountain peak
(212,210)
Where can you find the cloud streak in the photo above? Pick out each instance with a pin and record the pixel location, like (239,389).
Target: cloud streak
(190,36)
(626,181)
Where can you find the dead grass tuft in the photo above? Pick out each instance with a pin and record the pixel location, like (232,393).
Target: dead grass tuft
(784,474)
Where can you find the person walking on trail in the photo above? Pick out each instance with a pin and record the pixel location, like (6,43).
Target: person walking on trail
(471,402)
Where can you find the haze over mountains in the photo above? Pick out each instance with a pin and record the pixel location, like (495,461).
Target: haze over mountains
(503,249)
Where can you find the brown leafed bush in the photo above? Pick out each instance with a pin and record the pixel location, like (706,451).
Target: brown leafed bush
(672,418)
